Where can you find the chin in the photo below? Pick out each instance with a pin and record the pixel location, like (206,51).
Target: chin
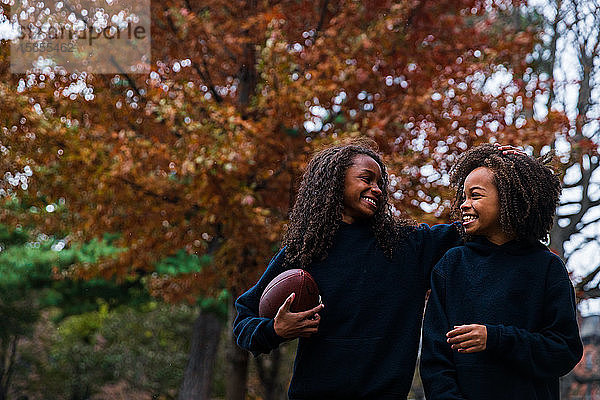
(366,216)
(369,214)
(472,232)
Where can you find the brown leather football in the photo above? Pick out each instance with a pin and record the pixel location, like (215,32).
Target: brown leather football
(291,281)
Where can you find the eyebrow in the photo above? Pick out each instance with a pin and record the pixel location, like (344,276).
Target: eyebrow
(477,187)
(373,173)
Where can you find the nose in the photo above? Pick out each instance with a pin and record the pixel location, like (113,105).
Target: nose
(375,189)
(466,204)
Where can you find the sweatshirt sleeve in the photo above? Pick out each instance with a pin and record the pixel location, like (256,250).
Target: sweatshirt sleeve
(437,369)
(252,332)
(434,242)
(556,348)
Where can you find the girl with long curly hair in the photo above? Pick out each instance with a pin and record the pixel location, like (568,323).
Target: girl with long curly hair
(372,270)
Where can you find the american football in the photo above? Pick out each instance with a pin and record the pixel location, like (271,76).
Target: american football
(291,281)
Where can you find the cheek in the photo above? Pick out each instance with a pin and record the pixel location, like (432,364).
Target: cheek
(489,211)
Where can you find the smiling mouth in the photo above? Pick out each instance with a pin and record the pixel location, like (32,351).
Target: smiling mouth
(468,219)
(370,201)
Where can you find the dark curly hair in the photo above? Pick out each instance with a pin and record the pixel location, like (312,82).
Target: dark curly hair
(317,212)
(528,189)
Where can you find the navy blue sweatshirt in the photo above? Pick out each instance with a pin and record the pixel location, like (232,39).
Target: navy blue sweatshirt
(366,346)
(521,292)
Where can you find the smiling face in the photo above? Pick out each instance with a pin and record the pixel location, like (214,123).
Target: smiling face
(361,189)
(481,207)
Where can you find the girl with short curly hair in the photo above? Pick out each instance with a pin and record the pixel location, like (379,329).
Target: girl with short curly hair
(500,320)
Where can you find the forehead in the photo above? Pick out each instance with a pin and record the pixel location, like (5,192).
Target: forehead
(362,161)
(481,176)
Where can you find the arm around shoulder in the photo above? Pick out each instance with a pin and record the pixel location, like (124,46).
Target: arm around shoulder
(435,241)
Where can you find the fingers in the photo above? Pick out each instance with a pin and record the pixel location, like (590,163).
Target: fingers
(309,327)
(459,330)
(473,349)
(509,149)
(287,303)
(503,147)
(461,334)
(460,338)
(312,312)
(468,338)
(310,323)
(466,344)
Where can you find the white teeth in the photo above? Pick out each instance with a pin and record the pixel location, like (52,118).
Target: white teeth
(467,218)
(370,200)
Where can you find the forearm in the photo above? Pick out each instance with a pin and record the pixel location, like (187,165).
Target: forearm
(252,332)
(540,355)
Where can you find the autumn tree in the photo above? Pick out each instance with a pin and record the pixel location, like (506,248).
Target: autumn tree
(202,154)
(567,61)
(574,25)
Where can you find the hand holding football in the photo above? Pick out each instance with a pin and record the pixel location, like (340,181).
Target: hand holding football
(290,325)
(282,286)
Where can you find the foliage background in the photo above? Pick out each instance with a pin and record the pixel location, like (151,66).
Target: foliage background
(124,193)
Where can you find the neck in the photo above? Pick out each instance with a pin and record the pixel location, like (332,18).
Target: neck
(354,220)
(500,238)
(347,219)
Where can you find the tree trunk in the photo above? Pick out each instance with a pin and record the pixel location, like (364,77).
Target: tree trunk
(7,363)
(268,367)
(237,363)
(198,375)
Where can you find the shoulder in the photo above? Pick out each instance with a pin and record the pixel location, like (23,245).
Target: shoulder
(549,264)
(546,257)
(279,257)
(452,259)
(556,269)
(274,268)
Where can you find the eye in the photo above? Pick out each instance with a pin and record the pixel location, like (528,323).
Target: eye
(365,179)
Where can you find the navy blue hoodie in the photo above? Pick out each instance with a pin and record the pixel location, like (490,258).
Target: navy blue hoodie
(521,292)
(366,347)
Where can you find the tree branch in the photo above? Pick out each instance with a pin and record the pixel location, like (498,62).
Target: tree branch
(590,222)
(204,75)
(206,78)
(553,47)
(586,204)
(138,187)
(129,80)
(319,27)
(587,279)
(569,203)
(590,294)
(194,208)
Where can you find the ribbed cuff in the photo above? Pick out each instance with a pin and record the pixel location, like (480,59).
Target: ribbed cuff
(273,338)
(493,337)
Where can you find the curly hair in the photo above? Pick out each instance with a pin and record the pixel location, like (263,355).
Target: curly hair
(528,189)
(317,212)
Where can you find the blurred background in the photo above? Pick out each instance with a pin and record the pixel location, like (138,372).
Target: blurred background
(136,206)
